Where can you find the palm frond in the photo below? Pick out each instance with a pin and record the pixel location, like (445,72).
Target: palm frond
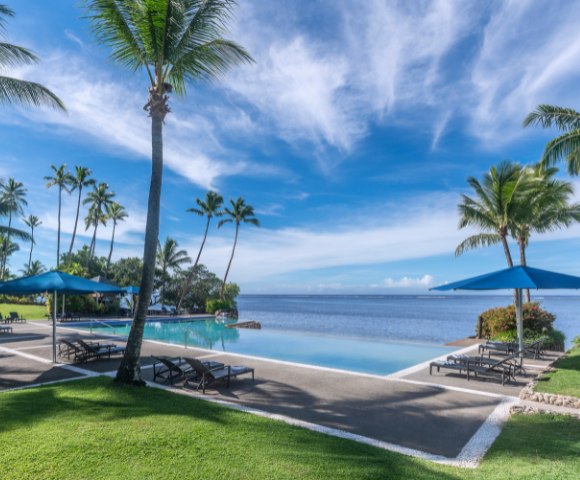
(224,221)
(21,92)
(13,56)
(549,115)
(199,212)
(565,146)
(252,221)
(477,241)
(14,232)
(5,11)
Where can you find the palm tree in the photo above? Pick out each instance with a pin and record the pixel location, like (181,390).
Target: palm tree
(33,222)
(7,248)
(567,145)
(240,213)
(502,195)
(168,257)
(62,179)
(210,208)
(116,213)
(19,92)
(93,219)
(99,198)
(550,210)
(174,42)
(36,268)
(13,194)
(79,181)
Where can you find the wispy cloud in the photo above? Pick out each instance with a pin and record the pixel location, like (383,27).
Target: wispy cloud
(406,282)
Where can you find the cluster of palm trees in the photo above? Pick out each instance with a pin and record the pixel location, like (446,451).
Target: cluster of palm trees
(102,207)
(170,257)
(515,201)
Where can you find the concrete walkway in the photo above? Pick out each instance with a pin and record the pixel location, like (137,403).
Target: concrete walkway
(440,417)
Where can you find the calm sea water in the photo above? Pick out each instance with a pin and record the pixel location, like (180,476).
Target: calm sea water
(417,319)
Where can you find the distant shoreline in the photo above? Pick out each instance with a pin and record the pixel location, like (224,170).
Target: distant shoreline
(423,296)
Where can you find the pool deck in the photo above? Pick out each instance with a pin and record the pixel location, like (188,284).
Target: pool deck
(441,417)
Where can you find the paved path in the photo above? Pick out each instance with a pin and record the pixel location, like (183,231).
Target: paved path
(434,416)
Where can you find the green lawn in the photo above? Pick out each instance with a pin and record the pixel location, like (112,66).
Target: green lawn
(565,380)
(30,312)
(94,428)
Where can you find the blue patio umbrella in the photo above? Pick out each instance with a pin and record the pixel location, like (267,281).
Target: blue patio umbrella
(517,278)
(56,282)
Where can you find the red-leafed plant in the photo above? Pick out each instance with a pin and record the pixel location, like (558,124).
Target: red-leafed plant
(497,321)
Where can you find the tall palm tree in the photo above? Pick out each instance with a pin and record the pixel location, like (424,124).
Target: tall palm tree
(13,194)
(32,221)
(93,219)
(7,248)
(502,195)
(550,210)
(168,257)
(240,213)
(79,180)
(99,198)
(174,42)
(209,208)
(116,213)
(19,92)
(36,268)
(567,145)
(61,179)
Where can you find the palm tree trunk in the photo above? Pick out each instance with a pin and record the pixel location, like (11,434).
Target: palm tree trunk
(129,370)
(508,257)
(230,264)
(92,246)
(522,244)
(31,246)
(58,242)
(163,289)
(5,252)
(110,251)
(194,267)
(72,242)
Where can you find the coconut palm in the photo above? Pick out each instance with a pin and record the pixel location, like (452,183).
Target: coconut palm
(34,268)
(78,181)
(174,42)
(93,219)
(240,213)
(61,179)
(168,257)
(19,92)
(502,196)
(99,198)
(209,208)
(13,194)
(32,221)
(116,213)
(7,248)
(567,145)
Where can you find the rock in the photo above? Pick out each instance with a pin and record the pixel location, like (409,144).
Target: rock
(251,324)
(228,313)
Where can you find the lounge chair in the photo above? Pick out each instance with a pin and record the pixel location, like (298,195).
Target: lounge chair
(534,347)
(5,329)
(210,375)
(17,318)
(68,348)
(504,367)
(174,368)
(98,350)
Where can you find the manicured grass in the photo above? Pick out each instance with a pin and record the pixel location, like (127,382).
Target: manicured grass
(94,428)
(30,312)
(565,380)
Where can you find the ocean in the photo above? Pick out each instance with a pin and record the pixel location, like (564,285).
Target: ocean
(435,320)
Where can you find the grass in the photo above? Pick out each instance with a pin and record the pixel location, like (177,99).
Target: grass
(30,312)
(565,380)
(93,428)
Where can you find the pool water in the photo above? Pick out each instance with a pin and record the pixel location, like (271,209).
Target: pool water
(344,353)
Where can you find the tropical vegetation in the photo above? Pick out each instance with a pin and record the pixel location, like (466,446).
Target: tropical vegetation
(116,213)
(32,222)
(61,179)
(79,181)
(169,257)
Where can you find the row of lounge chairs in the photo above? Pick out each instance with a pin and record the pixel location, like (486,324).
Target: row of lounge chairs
(507,367)
(68,317)
(83,351)
(12,317)
(196,371)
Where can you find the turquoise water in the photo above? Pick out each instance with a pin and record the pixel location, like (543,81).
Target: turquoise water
(354,354)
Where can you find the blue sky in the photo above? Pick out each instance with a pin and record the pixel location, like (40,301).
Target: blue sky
(352,136)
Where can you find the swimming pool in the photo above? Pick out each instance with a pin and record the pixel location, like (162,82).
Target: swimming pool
(344,353)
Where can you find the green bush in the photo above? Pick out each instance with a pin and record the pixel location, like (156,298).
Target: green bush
(576,341)
(555,337)
(502,320)
(213,305)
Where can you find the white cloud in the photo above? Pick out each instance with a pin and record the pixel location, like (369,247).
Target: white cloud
(406,282)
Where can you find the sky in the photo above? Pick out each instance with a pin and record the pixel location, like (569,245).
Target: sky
(352,136)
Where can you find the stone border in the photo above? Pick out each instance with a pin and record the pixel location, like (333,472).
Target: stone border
(527,410)
(528,393)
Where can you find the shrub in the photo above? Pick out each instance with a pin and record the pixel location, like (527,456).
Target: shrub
(576,341)
(502,320)
(213,305)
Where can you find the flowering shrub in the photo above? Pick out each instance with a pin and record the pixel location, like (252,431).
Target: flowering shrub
(502,320)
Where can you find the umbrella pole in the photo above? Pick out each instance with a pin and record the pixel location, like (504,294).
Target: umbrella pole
(63,306)
(520,326)
(54,331)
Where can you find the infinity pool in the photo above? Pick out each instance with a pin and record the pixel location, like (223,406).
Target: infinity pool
(354,354)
